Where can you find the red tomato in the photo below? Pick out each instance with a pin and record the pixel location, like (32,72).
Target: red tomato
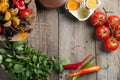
(98,18)
(114,21)
(20,4)
(111,44)
(0,30)
(117,27)
(103,32)
(117,33)
(25,13)
(106,23)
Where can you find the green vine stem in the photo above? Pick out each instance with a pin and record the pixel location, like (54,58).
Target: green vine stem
(106,12)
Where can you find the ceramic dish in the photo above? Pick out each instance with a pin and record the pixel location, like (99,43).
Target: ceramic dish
(91,11)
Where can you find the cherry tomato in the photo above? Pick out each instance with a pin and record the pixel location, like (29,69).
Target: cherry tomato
(117,27)
(20,4)
(98,18)
(103,32)
(25,13)
(117,33)
(106,23)
(114,21)
(0,30)
(111,44)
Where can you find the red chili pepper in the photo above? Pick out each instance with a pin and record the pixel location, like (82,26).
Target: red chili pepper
(20,4)
(85,71)
(78,65)
(0,30)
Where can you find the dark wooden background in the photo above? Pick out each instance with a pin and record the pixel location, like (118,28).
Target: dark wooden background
(65,37)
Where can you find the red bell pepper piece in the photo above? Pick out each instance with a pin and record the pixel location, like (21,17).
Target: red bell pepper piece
(90,69)
(20,4)
(78,65)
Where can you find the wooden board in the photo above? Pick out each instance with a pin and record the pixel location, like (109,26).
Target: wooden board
(67,38)
(76,41)
(45,34)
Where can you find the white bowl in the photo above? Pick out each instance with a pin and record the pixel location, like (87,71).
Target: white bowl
(91,11)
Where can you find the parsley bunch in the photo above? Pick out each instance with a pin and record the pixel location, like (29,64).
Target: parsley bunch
(23,62)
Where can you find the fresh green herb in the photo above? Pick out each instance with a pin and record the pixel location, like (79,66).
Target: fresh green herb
(23,62)
(1,17)
(61,10)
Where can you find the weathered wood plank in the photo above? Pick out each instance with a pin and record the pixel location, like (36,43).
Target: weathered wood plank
(76,41)
(45,35)
(4,75)
(109,58)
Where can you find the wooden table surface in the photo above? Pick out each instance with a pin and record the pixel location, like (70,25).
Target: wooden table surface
(66,38)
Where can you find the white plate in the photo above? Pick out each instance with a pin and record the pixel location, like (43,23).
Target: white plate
(91,11)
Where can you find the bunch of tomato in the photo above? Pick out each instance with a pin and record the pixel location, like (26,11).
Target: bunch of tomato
(107,29)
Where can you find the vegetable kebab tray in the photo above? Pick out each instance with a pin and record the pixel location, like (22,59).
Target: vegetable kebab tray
(82,9)
(17,19)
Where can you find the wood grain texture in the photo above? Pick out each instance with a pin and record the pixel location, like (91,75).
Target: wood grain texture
(4,75)
(76,41)
(45,34)
(67,38)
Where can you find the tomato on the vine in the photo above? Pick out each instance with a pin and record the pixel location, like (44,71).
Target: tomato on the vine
(117,33)
(25,13)
(114,21)
(117,27)
(103,32)
(98,18)
(111,44)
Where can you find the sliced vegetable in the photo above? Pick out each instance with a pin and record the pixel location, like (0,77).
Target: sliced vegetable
(72,5)
(25,13)
(91,4)
(7,16)
(3,6)
(80,64)
(15,21)
(85,71)
(0,30)
(7,24)
(83,13)
(20,4)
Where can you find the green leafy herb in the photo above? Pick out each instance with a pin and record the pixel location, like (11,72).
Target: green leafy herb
(23,62)
(1,17)
(61,10)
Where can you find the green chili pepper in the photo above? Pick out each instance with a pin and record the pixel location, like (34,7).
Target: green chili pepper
(75,78)
(88,64)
